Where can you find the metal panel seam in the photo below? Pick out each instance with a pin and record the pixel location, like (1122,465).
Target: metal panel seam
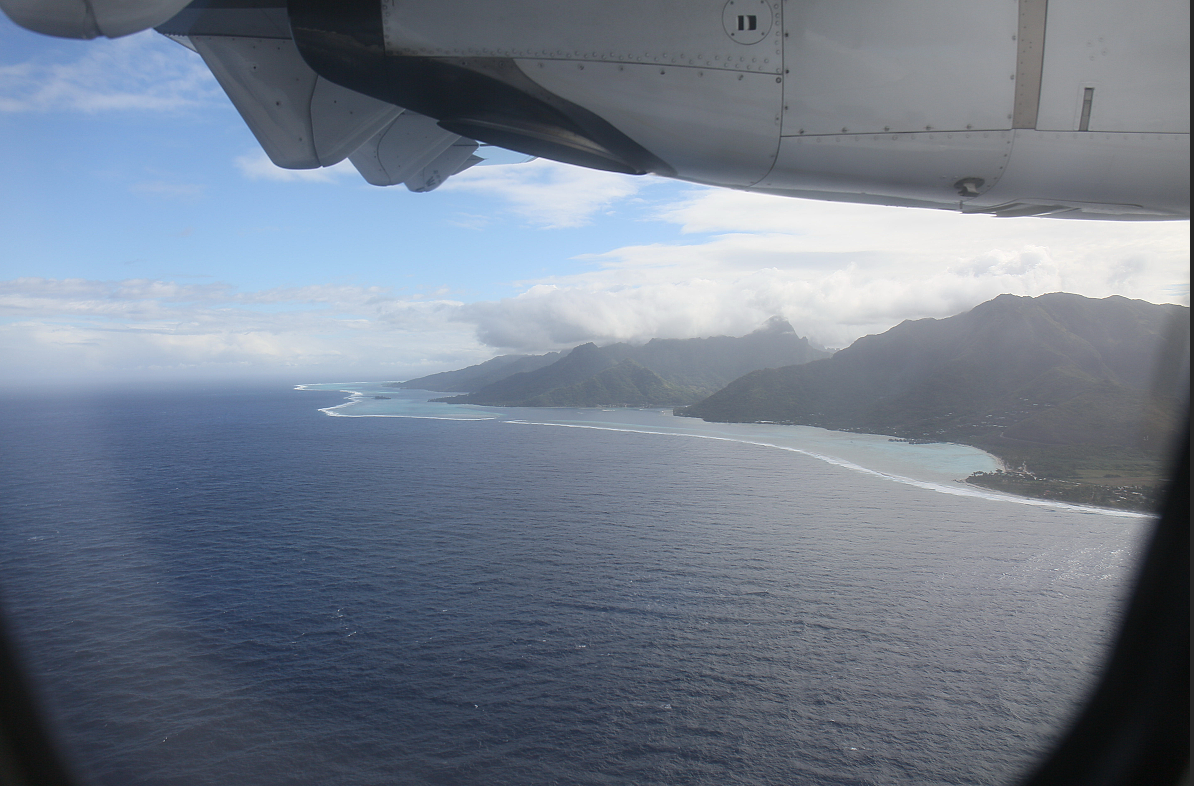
(782,78)
(1030,59)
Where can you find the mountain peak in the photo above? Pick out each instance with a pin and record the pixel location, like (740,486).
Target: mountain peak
(1014,373)
(673,370)
(775,324)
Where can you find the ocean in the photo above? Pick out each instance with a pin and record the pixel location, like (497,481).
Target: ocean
(260,585)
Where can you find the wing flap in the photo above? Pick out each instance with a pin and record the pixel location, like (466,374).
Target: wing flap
(301,120)
(271,88)
(402,149)
(304,121)
(445,165)
(342,120)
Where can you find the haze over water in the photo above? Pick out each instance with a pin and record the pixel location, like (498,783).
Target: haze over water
(226,585)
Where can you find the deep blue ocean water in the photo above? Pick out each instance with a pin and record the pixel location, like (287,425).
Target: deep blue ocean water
(226,585)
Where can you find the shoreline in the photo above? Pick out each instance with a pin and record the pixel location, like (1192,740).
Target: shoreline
(852,450)
(1134,499)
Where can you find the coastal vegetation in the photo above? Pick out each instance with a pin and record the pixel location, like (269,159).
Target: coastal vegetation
(1062,388)
(1143,496)
(1069,392)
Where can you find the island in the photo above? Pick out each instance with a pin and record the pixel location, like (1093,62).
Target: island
(1069,392)
(659,373)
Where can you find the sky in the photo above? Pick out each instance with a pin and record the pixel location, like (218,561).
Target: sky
(144,236)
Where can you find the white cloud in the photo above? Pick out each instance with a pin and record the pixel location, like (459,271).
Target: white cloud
(139,327)
(257,166)
(837,272)
(833,309)
(918,237)
(819,266)
(144,72)
(546,193)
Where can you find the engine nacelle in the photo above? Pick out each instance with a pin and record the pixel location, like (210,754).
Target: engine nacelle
(958,104)
(1068,108)
(90,18)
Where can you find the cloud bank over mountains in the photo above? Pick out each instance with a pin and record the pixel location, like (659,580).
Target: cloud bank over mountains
(660,259)
(836,272)
(833,288)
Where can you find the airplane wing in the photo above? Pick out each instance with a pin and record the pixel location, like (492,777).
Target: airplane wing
(1030,108)
(90,18)
(304,121)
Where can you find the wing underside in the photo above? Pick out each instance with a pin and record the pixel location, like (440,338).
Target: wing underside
(304,121)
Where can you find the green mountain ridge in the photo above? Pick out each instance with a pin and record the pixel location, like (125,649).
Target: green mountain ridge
(626,384)
(518,389)
(466,380)
(681,371)
(1053,381)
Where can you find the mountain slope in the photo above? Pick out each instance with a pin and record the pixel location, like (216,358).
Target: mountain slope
(466,380)
(578,365)
(708,364)
(1057,370)
(626,384)
(693,367)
